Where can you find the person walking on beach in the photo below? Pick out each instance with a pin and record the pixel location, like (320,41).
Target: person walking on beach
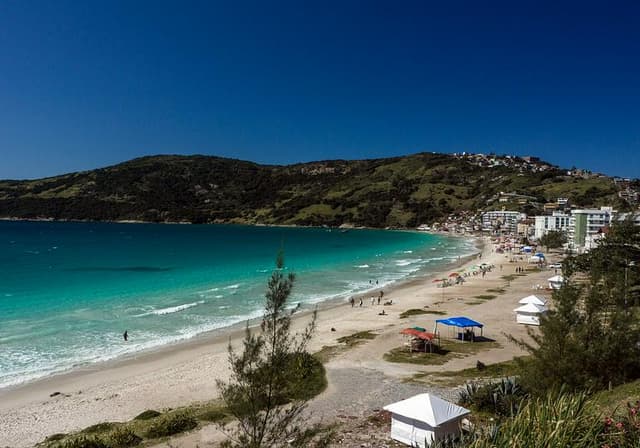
(373,300)
(360,301)
(125,335)
(352,301)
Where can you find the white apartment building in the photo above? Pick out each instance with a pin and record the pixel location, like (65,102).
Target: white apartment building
(501,221)
(558,221)
(586,223)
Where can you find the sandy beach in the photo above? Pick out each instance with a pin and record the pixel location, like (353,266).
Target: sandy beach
(359,379)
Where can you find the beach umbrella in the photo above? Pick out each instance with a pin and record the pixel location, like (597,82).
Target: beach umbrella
(454,274)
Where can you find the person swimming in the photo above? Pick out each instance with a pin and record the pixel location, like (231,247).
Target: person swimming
(125,335)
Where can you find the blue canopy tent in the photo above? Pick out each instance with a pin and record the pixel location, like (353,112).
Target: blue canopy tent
(462,322)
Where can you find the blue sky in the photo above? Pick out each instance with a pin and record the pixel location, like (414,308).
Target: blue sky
(89,84)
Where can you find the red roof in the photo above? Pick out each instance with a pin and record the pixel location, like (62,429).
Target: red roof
(418,334)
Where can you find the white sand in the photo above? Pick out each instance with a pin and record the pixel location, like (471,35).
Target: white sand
(186,373)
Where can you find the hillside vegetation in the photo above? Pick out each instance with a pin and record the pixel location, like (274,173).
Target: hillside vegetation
(397,192)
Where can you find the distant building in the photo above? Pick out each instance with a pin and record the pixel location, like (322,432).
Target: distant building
(635,217)
(558,221)
(501,221)
(525,228)
(585,223)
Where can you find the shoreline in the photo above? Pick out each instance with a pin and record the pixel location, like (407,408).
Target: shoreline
(466,246)
(119,389)
(233,330)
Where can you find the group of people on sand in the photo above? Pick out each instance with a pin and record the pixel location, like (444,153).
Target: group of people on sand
(373,299)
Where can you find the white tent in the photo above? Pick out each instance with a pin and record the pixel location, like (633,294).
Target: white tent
(422,419)
(529,314)
(556,281)
(536,300)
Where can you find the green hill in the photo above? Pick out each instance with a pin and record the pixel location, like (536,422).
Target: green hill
(399,191)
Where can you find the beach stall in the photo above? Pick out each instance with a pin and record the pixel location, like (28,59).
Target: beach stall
(424,419)
(462,326)
(421,340)
(529,314)
(556,281)
(536,300)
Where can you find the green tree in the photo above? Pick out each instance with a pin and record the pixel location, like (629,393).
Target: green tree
(270,382)
(553,239)
(590,337)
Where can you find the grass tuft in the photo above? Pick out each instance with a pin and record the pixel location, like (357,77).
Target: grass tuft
(440,355)
(171,424)
(412,312)
(357,338)
(485,297)
(147,415)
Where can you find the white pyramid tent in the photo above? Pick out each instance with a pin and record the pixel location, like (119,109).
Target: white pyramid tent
(556,281)
(536,300)
(422,419)
(529,314)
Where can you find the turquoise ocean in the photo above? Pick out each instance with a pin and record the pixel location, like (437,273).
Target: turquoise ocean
(69,290)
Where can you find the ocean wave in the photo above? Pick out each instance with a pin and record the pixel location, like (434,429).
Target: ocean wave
(362,266)
(235,286)
(171,309)
(406,262)
(407,251)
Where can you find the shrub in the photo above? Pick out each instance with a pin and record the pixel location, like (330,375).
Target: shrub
(147,415)
(55,437)
(100,427)
(83,442)
(211,415)
(171,424)
(501,398)
(122,438)
(623,431)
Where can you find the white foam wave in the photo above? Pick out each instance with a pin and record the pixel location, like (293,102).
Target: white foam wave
(406,262)
(172,309)
(236,286)
(362,266)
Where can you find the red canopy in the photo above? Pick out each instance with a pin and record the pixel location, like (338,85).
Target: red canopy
(418,334)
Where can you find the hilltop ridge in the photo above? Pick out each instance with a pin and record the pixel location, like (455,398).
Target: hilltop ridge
(387,192)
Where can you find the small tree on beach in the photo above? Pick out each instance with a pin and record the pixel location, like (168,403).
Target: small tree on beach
(553,239)
(271,378)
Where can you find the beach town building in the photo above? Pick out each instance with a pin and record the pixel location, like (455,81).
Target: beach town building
(558,221)
(501,221)
(585,224)
(525,227)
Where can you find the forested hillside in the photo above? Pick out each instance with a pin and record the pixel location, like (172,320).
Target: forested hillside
(398,192)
